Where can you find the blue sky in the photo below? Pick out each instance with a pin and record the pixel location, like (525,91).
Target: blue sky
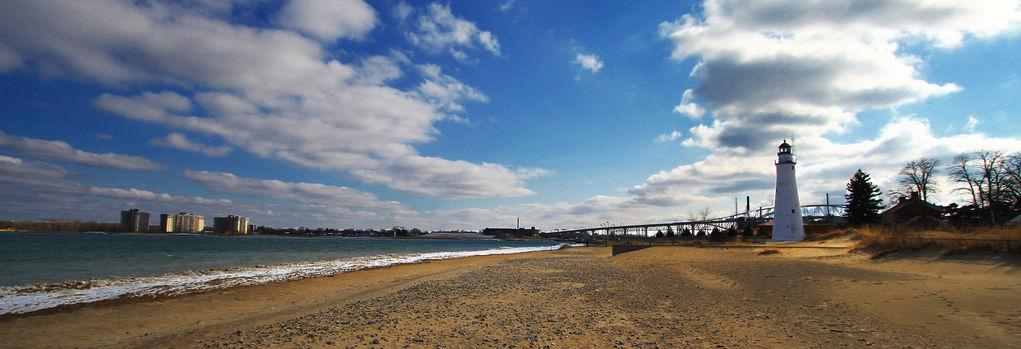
(470,114)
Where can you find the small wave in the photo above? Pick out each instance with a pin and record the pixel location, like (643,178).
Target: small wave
(25,299)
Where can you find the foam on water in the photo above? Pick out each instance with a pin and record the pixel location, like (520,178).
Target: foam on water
(24,299)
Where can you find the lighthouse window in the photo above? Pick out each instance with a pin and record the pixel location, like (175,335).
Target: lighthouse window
(792,210)
(792,167)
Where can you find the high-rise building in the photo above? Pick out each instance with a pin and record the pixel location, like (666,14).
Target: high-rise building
(188,223)
(134,221)
(231,224)
(166,223)
(787,223)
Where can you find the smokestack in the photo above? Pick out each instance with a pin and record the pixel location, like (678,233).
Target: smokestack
(747,205)
(518,224)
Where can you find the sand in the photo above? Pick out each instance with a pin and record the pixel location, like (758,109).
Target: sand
(581,297)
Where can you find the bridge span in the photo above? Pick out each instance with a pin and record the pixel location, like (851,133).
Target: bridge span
(809,213)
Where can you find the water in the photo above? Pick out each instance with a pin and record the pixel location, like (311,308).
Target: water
(130,265)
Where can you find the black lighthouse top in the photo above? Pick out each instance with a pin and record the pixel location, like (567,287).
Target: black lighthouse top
(785,148)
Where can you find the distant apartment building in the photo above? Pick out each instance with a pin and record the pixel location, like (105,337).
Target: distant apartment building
(231,224)
(134,221)
(188,223)
(166,223)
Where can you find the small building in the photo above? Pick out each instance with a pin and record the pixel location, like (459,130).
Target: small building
(913,213)
(231,225)
(510,232)
(134,221)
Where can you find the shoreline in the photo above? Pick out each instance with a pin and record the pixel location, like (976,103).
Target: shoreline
(27,299)
(582,297)
(169,318)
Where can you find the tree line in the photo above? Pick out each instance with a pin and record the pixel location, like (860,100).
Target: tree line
(989,180)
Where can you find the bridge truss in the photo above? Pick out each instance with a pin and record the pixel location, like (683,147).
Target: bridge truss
(809,213)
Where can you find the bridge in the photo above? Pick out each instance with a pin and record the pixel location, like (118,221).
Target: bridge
(747,219)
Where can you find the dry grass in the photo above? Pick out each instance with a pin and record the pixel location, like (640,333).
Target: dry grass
(768,252)
(836,234)
(1001,240)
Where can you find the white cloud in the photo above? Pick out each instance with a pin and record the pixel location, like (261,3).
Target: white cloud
(971,124)
(145,195)
(402,11)
(444,91)
(506,5)
(329,20)
(293,191)
(180,141)
(689,108)
(669,137)
(437,29)
(59,150)
(8,59)
(589,62)
(274,93)
(45,191)
(791,67)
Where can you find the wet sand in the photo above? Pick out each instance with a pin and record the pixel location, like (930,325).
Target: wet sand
(580,297)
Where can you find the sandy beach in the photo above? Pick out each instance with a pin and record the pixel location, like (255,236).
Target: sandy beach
(580,297)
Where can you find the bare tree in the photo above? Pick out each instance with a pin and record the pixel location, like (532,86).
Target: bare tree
(917,176)
(1012,174)
(701,215)
(991,172)
(962,173)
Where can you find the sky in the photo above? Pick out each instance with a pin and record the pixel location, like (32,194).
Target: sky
(465,115)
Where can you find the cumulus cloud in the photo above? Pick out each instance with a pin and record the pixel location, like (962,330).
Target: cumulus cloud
(180,141)
(329,20)
(60,150)
(436,29)
(272,92)
(589,62)
(796,67)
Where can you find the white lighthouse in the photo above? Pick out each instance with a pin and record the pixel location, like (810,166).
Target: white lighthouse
(787,224)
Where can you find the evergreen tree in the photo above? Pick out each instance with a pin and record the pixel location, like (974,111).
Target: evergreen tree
(863,201)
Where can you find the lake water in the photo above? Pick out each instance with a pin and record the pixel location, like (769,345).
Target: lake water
(126,265)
